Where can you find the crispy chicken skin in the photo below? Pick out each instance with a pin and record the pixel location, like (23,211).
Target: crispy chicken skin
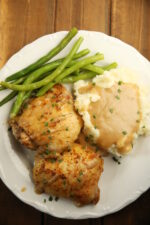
(72,174)
(48,122)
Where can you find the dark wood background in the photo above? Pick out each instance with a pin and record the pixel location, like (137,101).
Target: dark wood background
(22,21)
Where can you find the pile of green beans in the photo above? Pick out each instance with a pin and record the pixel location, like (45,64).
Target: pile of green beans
(41,77)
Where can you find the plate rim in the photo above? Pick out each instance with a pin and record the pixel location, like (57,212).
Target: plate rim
(88,215)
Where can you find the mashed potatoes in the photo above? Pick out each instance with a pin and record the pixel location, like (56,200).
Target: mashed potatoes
(114,108)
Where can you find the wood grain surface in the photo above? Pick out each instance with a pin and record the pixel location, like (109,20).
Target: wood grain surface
(21,22)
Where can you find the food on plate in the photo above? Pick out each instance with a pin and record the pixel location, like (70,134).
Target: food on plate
(49,121)
(69,131)
(73,174)
(113,110)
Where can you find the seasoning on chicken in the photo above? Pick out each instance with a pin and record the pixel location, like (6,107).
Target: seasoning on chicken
(48,122)
(72,174)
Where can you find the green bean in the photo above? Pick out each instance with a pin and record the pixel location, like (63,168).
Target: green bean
(80,64)
(67,72)
(45,58)
(50,66)
(94,68)
(110,66)
(93,71)
(87,74)
(54,64)
(41,71)
(49,78)
(82,53)
(19,81)
(27,95)
(12,94)
(60,68)
(8,97)
(82,76)
(71,79)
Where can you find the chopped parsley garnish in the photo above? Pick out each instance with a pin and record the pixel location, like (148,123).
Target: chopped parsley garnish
(124,132)
(116,160)
(60,160)
(44,133)
(9,128)
(95,127)
(90,136)
(54,152)
(50,138)
(79,180)
(117,97)
(48,131)
(137,121)
(111,110)
(46,124)
(94,116)
(52,119)
(143,127)
(53,104)
(56,198)
(44,200)
(67,129)
(47,152)
(132,145)
(119,82)
(50,198)
(138,112)
(81,173)
(93,84)
(52,160)
(119,90)
(64,182)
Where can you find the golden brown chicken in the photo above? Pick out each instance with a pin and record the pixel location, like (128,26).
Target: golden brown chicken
(48,122)
(72,174)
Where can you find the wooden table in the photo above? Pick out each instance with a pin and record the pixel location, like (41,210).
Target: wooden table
(22,21)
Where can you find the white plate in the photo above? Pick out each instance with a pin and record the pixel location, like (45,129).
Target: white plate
(119,184)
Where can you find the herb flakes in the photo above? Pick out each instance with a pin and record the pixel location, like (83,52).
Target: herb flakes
(50,198)
(116,160)
(124,132)
(46,124)
(78,179)
(56,198)
(47,152)
(111,110)
(117,97)
(119,82)
(94,116)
